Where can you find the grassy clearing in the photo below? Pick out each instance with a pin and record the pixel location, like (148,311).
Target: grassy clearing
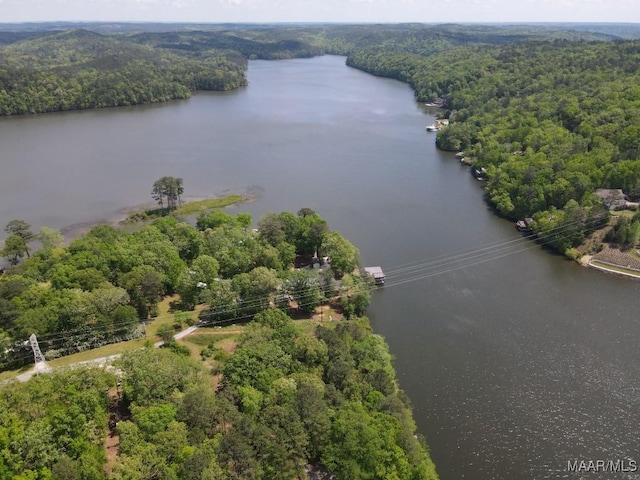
(200,206)
(204,339)
(193,349)
(106,351)
(623,213)
(222,338)
(187,209)
(11,374)
(164,316)
(226,338)
(118,348)
(228,345)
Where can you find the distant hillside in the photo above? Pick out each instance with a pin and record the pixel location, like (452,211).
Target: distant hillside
(79,69)
(251,44)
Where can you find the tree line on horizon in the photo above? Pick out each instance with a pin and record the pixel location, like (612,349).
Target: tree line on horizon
(47,71)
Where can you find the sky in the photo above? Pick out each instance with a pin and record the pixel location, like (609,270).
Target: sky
(387,11)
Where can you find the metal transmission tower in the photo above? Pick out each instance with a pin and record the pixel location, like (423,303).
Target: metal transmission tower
(41,364)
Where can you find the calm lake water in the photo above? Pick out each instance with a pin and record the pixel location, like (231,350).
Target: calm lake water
(516,360)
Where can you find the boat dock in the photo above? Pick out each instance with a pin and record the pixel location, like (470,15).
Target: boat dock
(437,125)
(376,273)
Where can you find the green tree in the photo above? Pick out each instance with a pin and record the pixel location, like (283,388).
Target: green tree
(272,229)
(22,230)
(255,288)
(165,332)
(151,375)
(312,228)
(314,413)
(286,444)
(363,445)
(154,419)
(198,410)
(342,253)
(14,249)
(50,237)
(355,295)
(215,219)
(204,464)
(183,236)
(305,290)
(222,301)
(144,285)
(169,188)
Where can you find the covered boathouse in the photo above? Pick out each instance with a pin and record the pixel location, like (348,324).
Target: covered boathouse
(376,273)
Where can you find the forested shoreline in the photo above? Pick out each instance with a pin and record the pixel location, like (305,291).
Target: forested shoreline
(549,114)
(290,404)
(551,118)
(281,402)
(78,69)
(83,68)
(549,122)
(104,285)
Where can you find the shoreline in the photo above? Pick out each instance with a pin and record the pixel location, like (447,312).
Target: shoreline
(117,218)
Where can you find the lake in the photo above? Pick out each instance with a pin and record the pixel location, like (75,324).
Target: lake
(516,360)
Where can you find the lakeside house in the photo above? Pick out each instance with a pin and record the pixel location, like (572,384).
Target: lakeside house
(614,198)
(438,102)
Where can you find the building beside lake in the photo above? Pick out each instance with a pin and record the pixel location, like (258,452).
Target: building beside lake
(614,198)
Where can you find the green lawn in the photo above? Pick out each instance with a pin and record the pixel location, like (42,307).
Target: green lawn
(187,209)
(623,213)
(200,206)
(196,341)
(164,316)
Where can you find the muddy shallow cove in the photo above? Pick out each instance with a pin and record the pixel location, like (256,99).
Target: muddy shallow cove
(517,361)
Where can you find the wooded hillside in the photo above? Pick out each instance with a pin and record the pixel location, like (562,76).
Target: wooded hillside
(46,71)
(550,122)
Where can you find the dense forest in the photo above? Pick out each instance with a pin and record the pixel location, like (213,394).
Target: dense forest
(79,69)
(289,403)
(45,71)
(98,289)
(286,402)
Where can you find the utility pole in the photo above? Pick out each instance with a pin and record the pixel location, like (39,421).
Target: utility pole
(40,362)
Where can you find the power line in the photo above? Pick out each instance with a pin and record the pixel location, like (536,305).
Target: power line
(558,233)
(402,271)
(400,275)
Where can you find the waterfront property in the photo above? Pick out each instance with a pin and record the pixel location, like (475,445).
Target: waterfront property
(613,198)
(524,225)
(376,273)
(437,125)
